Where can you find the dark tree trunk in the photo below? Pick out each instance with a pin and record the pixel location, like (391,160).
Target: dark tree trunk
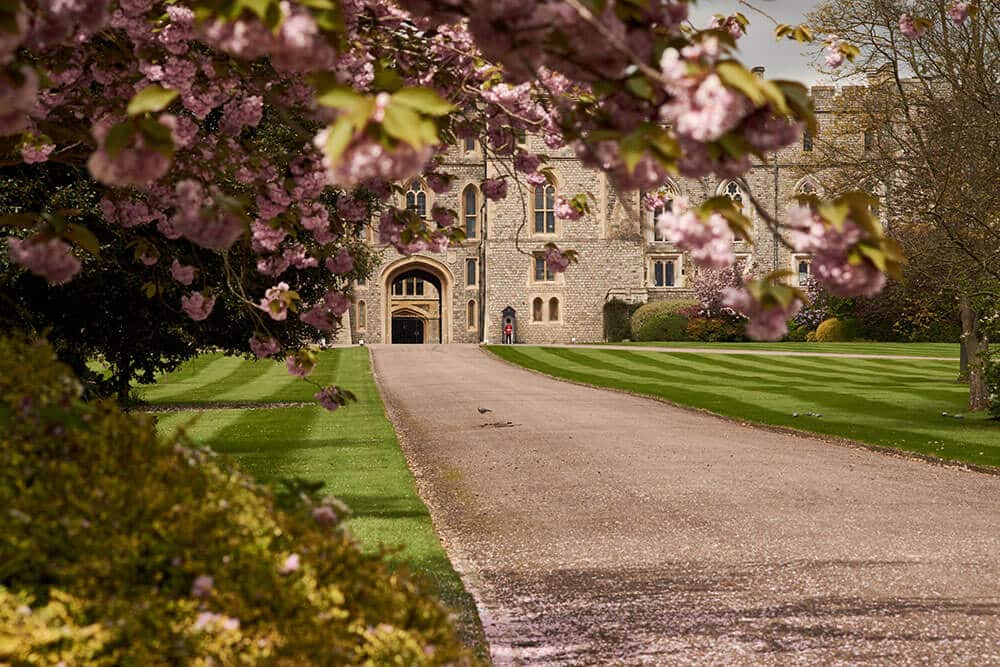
(974,355)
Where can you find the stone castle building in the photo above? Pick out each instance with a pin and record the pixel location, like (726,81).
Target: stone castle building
(467,293)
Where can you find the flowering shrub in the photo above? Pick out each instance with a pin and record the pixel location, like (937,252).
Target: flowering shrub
(121,547)
(993,387)
(717,329)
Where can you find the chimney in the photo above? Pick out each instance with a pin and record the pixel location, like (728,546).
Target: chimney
(758,70)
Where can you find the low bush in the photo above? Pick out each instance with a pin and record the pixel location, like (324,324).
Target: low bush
(655,309)
(618,320)
(993,386)
(120,547)
(835,331)
(798,334)
(663,327)
(716,329)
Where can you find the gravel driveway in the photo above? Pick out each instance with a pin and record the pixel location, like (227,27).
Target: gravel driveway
(599,528)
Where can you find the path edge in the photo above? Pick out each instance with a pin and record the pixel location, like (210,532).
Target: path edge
(460,561)
(834,440)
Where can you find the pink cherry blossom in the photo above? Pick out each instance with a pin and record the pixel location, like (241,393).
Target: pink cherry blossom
(197,306)
(556,261)
(442,216)
(351,209)
(297,366)
(341,263)
(275,302)
(149,256)
(181,273)
(290,565)
(710,242)
(770,323)
(958,12)
(565,210)
(50,259)
(909,27)
(133,164)
(266,238)
(324,515)
(202,586)
(331,399)
(33,153)
(264,346)
(494,188)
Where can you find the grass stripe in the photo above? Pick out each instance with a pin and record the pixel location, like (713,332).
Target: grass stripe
(893,403)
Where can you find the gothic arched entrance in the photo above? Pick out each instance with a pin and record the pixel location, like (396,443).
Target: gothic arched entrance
(417,302)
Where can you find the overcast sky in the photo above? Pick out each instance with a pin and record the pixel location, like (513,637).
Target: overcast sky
(784,59)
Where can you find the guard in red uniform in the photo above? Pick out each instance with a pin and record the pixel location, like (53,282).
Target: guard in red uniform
(508,333)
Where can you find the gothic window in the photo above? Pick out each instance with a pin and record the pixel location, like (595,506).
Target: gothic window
(470,144)
(807,186)
(807,141)
(362,315)
(470,272)
(521,137)
(470,211)
(869,141)
(665,272)
(536,310)
(733,190)
(542,273)
(470,314)
(553,309)
(416,199)
(545,209)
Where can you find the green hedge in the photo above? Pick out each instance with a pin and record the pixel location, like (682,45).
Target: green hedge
(123,548)
(617,320)
(663,327)
(655,310)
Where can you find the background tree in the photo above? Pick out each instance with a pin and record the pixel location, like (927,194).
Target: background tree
(930,122)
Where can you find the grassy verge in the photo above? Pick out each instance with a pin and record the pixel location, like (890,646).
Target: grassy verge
(354,451)
(950,350)
(886,402)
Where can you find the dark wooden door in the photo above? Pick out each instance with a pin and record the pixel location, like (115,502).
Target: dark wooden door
(407,330)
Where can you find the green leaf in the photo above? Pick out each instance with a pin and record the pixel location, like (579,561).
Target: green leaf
(337,139)
(149,289)
(738,77)
(118,138)
(157,136)
(632,148)
(387,80)
(338,96)
(21,220)
(423,100)
(800,103)
(151,98)
(84,238)
(404,124)
(640,86)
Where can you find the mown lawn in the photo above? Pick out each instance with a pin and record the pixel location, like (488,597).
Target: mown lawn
(887,402)
(354,451)
(950,350)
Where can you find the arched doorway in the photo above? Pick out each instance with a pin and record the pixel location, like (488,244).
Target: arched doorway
(417,302)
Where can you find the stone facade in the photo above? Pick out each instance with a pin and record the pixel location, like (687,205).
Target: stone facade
(616,243)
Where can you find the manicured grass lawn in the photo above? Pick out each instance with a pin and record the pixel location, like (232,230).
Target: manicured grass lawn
(354,451)
(904,349)
(892,403)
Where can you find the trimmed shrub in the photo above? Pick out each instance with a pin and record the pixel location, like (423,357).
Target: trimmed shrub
(120,547)
(716,329)
(663,327)
(654,309)
(617,320)
(835,331)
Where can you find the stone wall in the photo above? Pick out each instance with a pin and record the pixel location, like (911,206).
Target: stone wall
(615,242)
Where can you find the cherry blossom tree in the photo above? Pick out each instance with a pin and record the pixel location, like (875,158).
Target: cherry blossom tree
(276,125)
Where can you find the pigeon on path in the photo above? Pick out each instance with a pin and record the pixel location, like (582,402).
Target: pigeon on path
(483,411)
